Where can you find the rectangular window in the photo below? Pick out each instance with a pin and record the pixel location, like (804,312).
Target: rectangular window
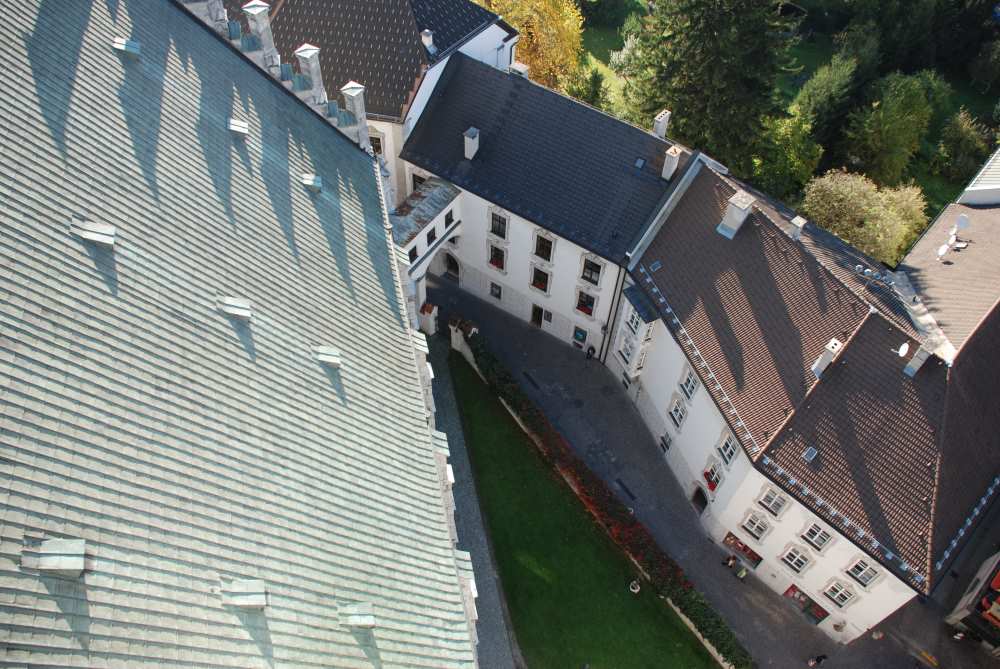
(376,143)
(585,303)
(543,248)
(678,412)
(449,218)
(413,254)
(579,335)
(540,279)
(497,257)
(627,349)
(634,321)
(498,225)
(755,525)
(839,593)
(817,536)
(795,559)
(665,442)
(649,332)
(495,290)
(642,361)
(772,501)
(727,449)
(689,384)
(431,236)
(713,477)
(591,272)
(547,315)
(862,572)
(418,180)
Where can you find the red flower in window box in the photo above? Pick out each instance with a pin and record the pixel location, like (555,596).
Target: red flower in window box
(585,309)
(712,484)
(496,263)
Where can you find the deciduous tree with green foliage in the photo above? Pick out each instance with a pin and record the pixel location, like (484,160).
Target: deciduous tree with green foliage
(964,146)
(588,86)
(880,222)
(787,155)
(714,65)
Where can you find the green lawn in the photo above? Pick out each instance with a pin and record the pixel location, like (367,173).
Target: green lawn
(564,580)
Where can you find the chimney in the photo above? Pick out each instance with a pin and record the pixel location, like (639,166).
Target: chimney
(670,161)
(217,17)
(471,142)
(354,100)
(737,211)
(308,57)
(260,27)
(518,68)
(661,123)
(917,361)
(797,224)
(427,37)
(826,357)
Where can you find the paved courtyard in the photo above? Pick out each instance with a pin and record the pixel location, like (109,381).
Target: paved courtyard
(585,402)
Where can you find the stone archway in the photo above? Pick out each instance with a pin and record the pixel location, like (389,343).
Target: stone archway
(452,267)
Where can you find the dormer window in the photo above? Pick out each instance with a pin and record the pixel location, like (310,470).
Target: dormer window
(498,225)
(591,272)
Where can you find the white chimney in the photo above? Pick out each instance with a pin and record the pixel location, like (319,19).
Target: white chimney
(471,142)
(826,357)
(798,223)
(259,19)
(354,100)
(917,361)
(427,37)
(661,123)
(308,57)
(737,211)
(519,68)
(670,161)
(217,17)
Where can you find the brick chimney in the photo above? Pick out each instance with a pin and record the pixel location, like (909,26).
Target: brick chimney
(740,205)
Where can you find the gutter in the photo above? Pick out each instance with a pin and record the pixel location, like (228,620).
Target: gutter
(609,328)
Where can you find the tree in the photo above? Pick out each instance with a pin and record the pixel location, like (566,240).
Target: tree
(787,156)
(985,69)
(603,12)
(551,35)
(882,136)
(714,65)
(961,28)
(860,43)
(880,222)
(826,98)
(964,146)
(906,28)
(588,86)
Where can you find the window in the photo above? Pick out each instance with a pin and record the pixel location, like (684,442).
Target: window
(649,332)
(727,449)
(634,321)
(817,536)
(678,412)
(585,303)
(795,559)
(543,248)
(579,335)
(862,572)
(665,442)
(540,279)
(453,240)
(498,225)
(591,272)
(431,236)
(689,384)
(627,349)
(642,361)
(497,257)
(839,593)
(495,290)
(713,477)
(376,143)
(772,501)
(755,526)
(449,218)
(413,254)
(547,315)
(418,180)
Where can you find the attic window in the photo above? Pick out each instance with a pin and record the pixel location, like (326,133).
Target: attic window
(361,614)
(92,231)
(810,454)
(62,557)
(126,47)
(245,594)
(235,307)
(655,265)
(239,127)
(639,163)
(328,355)
(312,182)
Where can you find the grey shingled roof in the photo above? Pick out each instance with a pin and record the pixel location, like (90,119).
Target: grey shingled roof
(420,208)
(185,448)
(542,156)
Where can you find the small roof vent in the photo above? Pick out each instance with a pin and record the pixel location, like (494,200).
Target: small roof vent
(312,182)
(248,594)
(62,557)
(126,47)
(360,614)
(92,231)
(235,307)
(239,127)
(427,37)
(328,355)
(810,454)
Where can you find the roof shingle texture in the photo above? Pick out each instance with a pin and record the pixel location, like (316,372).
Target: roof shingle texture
(187,449)
(543,156)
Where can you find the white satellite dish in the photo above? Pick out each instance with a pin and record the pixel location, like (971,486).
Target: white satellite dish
(941,251)
(904,349)
(963,222)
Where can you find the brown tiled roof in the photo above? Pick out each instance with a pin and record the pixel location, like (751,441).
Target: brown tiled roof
(960,289)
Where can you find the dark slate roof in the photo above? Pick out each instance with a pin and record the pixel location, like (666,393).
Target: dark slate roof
(641,304)
(542,156)
(374,42)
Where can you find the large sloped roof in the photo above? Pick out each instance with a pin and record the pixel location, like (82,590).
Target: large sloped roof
(580,173)
(374,42)
(185,448)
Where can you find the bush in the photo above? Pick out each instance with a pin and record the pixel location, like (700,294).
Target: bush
(665,576)
(787,156)
(880,222)
(964,146)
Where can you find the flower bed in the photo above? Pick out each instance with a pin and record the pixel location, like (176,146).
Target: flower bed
(632,536)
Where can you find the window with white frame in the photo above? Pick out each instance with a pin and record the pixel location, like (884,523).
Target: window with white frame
(498,225)
(795,559)
(689,384)
(540,279)
(585,303)
(591,272)
(727,449)
(839,593)
(862,572)
(543,248)
(497,257)
(756,525)
(642,360)
(713,476)
(627,349)
(665,442)
(678,412)
(817,536)
(772,501)
(634,321)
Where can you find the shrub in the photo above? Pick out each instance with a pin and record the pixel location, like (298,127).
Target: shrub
(787,155)
(964,145)
(588,86)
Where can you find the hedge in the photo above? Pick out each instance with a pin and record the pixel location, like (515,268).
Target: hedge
(665,576)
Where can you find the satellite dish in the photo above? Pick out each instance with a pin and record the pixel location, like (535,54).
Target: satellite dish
(963,222)
(859,268)
(941,251)
(904,349)
(868,273)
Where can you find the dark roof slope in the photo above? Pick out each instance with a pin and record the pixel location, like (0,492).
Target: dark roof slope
(542,155)
(374,42)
